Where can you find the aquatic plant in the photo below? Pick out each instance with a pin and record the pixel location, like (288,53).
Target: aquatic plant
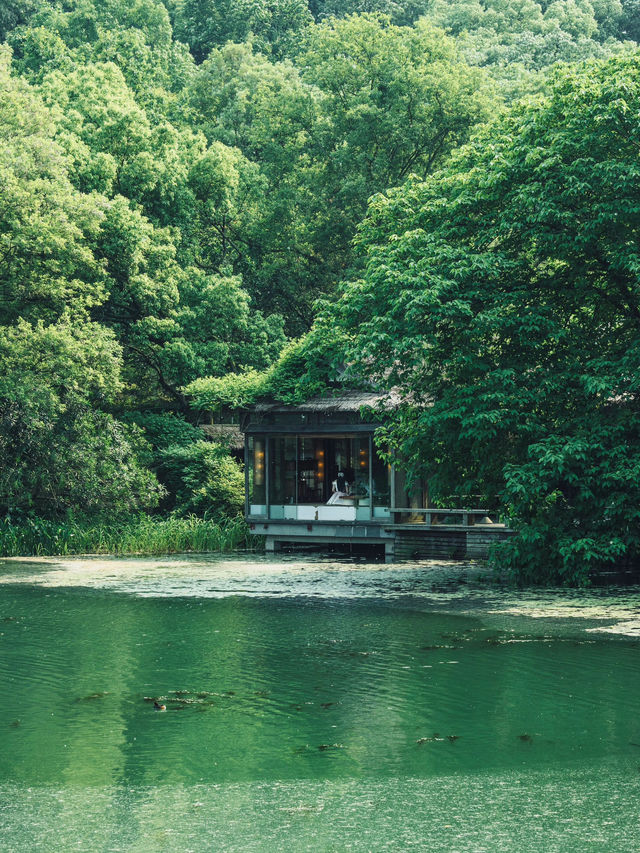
(140,535)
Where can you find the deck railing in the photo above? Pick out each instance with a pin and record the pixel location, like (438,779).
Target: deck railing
(436,517)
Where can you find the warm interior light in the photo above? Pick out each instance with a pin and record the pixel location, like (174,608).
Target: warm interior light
(258,463)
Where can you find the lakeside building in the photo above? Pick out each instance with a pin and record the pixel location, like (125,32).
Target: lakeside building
(314,477)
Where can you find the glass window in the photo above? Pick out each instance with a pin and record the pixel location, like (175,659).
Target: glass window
(359,471)
(308,469)
(311,470)
(381,473)
(257,480)
(338,465)
(282,470)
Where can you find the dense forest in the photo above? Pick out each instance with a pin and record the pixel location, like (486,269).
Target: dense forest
(203,201)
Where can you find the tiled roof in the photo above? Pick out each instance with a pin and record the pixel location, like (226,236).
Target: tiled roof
(348,401)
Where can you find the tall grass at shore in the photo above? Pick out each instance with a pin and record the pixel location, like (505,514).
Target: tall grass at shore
(141,535)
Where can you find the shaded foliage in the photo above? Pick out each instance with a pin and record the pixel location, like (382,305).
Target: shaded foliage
(59,450)
(202,479)
(273,26)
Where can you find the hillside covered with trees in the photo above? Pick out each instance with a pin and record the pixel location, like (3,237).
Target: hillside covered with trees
(444,193)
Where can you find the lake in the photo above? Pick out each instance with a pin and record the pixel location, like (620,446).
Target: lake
(313,705)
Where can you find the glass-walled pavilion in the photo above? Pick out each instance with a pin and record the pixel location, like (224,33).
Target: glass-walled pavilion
(319,476)
(313,475)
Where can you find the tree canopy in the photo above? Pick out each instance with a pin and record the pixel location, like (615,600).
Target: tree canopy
(60,451)
(501,295)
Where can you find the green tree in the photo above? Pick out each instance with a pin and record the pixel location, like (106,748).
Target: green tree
(365,104)
(63,245)
(174,324)
(215,394)
(95,104)
(401,12)
(630,20)
(608,14)
(198,477)
(45,223)
(202,479)
(60,452)
(397,100)
(274,25)
(266,111)
(13,13)
(228,191)
(501,296)
(163,429)
(516,39)
(137,37)
(211,331)
(38,50)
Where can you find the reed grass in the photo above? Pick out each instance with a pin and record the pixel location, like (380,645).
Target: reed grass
(141,535)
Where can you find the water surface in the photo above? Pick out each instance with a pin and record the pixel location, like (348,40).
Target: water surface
(313,705)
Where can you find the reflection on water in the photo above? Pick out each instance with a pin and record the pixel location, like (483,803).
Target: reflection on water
(361,706)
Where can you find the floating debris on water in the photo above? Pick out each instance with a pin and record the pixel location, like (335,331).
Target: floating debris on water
(435,739)
(437,648)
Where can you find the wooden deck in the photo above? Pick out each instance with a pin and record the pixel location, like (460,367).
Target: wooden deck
(409,534)
(447,534)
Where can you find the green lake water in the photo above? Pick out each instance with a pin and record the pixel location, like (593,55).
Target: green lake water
(313,705)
